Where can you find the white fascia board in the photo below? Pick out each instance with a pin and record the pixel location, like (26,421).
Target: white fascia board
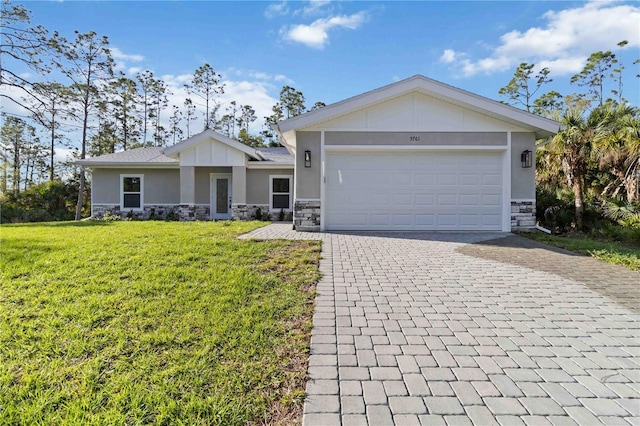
(112,165)
(265,165)
(210,134)
(540,125)
(288,140)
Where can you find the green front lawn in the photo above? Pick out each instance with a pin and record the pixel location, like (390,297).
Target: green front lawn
(611,252)
(152,322)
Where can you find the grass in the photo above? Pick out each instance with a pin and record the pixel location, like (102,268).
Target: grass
(611,252)
(152,323)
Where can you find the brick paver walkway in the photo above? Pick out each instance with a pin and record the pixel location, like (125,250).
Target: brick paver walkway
(437,328)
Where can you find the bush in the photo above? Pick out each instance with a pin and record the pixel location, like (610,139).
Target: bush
(42,202)
(555,209)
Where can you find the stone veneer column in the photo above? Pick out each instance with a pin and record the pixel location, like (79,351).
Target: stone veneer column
(523,215)
(306,216)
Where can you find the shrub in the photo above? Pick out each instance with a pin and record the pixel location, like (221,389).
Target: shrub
(42,202)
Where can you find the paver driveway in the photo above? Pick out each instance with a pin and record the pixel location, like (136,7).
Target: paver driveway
(428,328)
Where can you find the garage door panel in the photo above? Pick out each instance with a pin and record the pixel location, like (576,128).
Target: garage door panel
(422,191)
(403,200)
(402,219)
(491,199)
(447,179)
(447,200)
(469,199)
(492,180)
(491,220)
(446,220)
(469,220)
(424,179)
(427,220)
(425,200)
(380,220)
(470,180)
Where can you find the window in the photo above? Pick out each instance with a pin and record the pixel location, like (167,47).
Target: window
(280,192)
(131,190)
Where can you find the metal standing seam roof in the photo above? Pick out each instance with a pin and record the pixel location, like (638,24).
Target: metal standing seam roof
(276,155)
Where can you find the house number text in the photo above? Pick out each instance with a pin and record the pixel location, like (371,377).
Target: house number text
(414,138)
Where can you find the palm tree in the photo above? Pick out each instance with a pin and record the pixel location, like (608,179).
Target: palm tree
(618,150)
(573,145)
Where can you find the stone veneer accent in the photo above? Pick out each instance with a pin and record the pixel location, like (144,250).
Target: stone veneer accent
(248,211)
(188,212)
(523,215)
(306,216)
(149,212)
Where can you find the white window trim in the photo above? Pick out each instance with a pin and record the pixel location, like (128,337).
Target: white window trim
(131,175)
(271,193)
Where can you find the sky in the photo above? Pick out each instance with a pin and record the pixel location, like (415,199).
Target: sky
(334,50)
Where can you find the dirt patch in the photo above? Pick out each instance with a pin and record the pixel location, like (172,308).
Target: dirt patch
(613,281)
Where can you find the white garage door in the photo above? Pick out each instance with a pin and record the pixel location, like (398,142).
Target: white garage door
(414,191)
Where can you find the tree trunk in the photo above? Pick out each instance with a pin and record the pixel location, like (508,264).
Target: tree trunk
(80,195)
(631,187)
(83,153)
(16,167)
(53,138)
(579,202)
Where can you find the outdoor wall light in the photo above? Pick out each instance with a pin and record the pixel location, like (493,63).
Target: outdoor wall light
(526,158)
(307,158)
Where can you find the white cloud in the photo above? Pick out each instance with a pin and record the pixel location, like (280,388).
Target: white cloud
(122,60)
(118,55)
(448,56)
(261,76)
(276,9)
(315,7)
(316,34)
(563,43)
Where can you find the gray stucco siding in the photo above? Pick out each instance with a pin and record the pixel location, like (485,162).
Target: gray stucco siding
(308,178)
(416,138)
(258,184)
(161,186)
(523,180)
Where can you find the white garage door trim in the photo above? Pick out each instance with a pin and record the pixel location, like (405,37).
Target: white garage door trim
(503,223)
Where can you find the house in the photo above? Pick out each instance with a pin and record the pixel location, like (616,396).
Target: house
(207,176)
(413,155)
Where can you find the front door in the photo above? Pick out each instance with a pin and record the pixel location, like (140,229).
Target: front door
(220,196)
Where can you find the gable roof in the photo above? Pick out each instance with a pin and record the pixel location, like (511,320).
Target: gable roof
(153,157)
(541,126)
(148,157)
(172,151)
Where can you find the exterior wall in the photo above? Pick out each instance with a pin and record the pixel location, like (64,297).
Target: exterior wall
(414,138)
(308,179)
(523,181)
(523,215)
(258,185)
(161,186)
